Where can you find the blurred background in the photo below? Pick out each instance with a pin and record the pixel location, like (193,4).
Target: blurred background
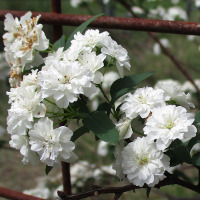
(145,56)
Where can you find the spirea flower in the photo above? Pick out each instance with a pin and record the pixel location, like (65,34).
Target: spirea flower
(24,109)
(91,38)
(169,123)
(173,91)
(24,36)
(21,142)
(142,102)
(65,81)
(117,165)
(124,128)
(143,163)
(115,51)
(53,145)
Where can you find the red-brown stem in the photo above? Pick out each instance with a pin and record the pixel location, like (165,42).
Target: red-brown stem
(14,195)
(57,29)
(164,50)
(66,178)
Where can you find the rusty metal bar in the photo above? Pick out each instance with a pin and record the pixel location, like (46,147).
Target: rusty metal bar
(136,24)
(14,195)
(57,28)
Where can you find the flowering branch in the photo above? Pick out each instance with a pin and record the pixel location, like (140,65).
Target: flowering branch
(171,179)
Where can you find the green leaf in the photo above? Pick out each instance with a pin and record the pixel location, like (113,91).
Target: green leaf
(102,126)
(60,43)
(148,191)
(48,169)
(196,159)
(179,153)
(126,84)
(193,141)
(197,117)
(79,132)
(104,107)
(80,29)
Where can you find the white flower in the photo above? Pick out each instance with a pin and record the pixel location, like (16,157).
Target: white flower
(116,52)
(76,3)
(30,80)
(142,102)
(91,38)
(156,47)
(169,123)
(117,165)
(124,128)
(174,12)
(143,163)
(65,81)
(21,142)
(188,87)
(108,79)
(24,36)
(39,192)
(197,3)
(24,109)
(93,62)
(57,55)
(53,145)
(172,91)
(137,10)
(102,148)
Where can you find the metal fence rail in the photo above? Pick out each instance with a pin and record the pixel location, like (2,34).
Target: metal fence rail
(125,23)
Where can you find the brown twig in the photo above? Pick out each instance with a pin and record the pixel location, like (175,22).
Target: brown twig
(14,195)
(164,50)
(66,178)
(171,179)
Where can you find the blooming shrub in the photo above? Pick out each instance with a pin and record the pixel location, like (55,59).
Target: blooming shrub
(46,97)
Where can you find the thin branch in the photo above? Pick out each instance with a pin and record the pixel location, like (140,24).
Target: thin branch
(164,49)
(66,178)
(14,195)
(171,179)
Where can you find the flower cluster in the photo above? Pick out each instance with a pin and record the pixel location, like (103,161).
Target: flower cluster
(143,160)
(23,38)
(42,99)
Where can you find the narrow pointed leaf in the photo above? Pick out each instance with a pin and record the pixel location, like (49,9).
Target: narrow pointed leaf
(59,43)
(48,169)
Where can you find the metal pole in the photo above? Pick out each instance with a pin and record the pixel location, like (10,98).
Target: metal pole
(136,24)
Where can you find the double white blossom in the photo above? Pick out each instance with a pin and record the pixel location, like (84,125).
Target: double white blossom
(65,81)
(143,163)
(142,102)
(53,145)
(174,92)
(169,123)
(24,36)
(21,142)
